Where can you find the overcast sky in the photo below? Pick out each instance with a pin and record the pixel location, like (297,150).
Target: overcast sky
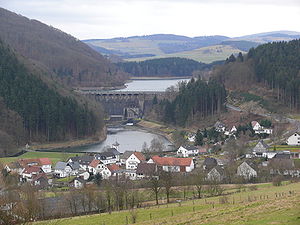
(86,19)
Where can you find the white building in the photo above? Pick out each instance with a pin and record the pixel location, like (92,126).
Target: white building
(133,160)
(172,164)
(294,139)
(187,151)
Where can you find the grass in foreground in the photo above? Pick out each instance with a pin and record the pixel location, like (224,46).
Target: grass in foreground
(267,205)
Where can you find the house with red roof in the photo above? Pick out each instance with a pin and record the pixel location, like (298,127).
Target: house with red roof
(173,164)
(110,170)
(95,166)
(134,160)
(44,163)
(29,172)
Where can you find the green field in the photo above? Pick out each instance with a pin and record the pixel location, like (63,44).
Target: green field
(53,156)
(205,54)
(266,205)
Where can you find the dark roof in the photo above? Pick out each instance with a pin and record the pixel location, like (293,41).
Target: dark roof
(126,154)
(114,151)
(74,165)
(190,147)
(282,155)
(210,162)
(60,166)
(146,168)
(219,169)
(83,160)
(105,155)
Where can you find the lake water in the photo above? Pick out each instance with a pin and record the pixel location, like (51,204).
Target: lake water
(130,139)
(151,85)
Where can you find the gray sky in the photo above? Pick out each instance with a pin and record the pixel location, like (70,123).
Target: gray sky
(86,19)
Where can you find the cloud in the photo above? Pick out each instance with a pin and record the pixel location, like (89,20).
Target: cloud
(109,18)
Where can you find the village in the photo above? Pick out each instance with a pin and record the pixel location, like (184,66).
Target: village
(256,164)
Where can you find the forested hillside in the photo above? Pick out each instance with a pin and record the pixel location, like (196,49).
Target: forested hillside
(276,65)
(163,67)
(31,110)
(74,63)
(195,99)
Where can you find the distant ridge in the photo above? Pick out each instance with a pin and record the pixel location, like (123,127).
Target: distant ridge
(201,48)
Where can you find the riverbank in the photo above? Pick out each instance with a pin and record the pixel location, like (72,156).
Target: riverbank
(66,144)
(157,128)
(160,78)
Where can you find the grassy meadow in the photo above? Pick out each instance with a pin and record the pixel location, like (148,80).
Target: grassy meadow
(265,205)
(53,156)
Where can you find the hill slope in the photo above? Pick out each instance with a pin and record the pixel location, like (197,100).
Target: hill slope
(33,110)
(274,66)
(73,62)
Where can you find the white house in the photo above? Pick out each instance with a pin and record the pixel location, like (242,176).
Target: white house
(246,171)
(29,172)
(95,166)
(260,148)
(106,157)
(294,139)
(45,164)
(109,170)
(173,164)
(256,126)
(78,182)
(134,159)
(258,129)
(187,151)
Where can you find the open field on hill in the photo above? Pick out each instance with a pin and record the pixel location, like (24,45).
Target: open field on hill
(266,205)
(53,156)
(205,54)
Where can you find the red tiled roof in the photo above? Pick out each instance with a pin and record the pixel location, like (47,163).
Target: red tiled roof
(113,167)
(38,176)
(39,162)
(32,169)
(45,161)
(94,163)
(253,123)
(172,161)
(140,156)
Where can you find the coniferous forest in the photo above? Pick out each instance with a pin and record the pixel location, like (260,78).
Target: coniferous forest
(278,65)
(173,66)
(195,98)
(46,115)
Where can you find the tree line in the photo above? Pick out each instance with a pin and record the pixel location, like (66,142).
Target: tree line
(173,66)
(46,114)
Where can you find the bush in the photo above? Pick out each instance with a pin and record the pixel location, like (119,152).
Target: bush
(277,181)
(253,188)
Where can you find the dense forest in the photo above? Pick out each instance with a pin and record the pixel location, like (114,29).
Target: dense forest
(195,98)
(73,62)
(278,65)
(44,114)
(274,65)
(173,66)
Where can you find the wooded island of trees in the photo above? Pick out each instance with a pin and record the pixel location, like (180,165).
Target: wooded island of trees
(195,98)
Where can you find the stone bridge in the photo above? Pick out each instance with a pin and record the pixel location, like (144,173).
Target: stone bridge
(124,104)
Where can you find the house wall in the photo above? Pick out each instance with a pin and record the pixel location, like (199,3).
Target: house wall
(47,168)
(294,140)
(132,162)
